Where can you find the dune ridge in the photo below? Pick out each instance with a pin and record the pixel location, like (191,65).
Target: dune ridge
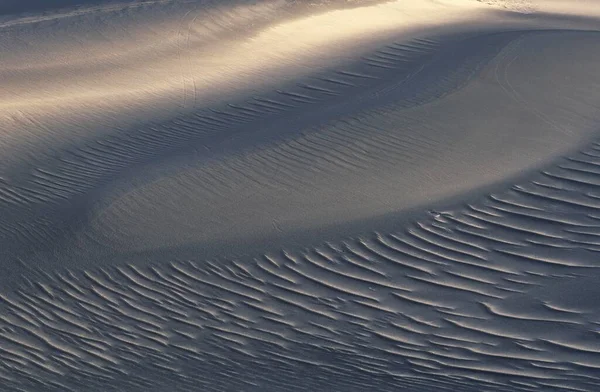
(257,196)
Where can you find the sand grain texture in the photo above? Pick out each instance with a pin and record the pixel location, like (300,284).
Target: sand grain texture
(276,195)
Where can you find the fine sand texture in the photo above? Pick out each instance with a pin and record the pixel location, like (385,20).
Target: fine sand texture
(279,195)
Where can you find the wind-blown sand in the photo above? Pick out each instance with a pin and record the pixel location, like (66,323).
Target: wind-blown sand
(275,195)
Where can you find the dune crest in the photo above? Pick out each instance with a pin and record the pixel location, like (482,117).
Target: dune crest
(275,195)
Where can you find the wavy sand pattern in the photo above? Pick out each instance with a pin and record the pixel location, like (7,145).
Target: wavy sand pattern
(300,196)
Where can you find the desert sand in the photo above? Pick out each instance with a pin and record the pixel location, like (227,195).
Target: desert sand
(281,195)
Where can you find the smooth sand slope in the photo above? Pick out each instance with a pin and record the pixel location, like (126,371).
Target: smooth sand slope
(274,195)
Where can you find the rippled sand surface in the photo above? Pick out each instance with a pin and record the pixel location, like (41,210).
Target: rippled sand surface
(300,196)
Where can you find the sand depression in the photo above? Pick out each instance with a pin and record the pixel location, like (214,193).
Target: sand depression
(352,194)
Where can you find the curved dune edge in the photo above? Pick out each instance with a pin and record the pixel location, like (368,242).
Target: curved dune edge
(375,162)
(100,233)
(496,294)
(189,53)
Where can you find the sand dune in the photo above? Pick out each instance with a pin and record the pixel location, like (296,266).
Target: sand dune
(274,195)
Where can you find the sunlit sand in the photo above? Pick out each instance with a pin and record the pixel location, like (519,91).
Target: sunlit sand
(276,195)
